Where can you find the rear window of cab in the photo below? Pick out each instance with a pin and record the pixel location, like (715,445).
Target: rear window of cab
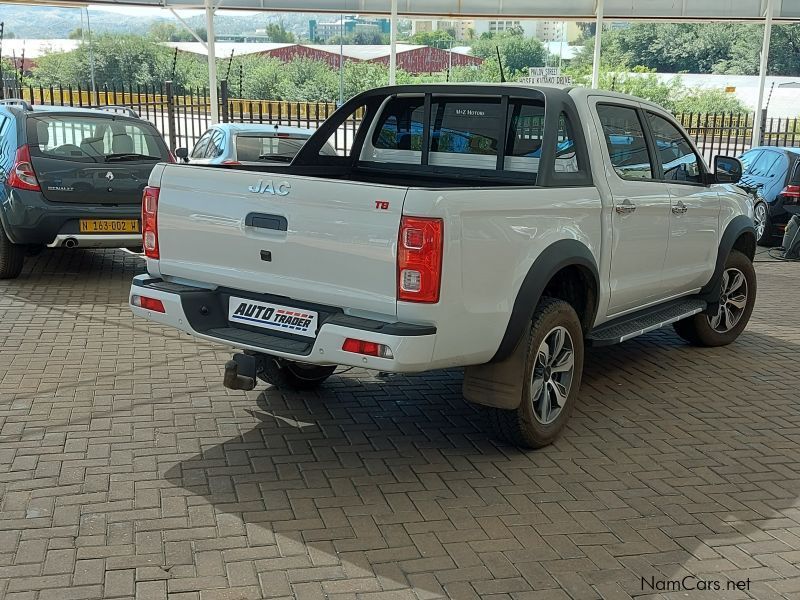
(94,139)
(468,133)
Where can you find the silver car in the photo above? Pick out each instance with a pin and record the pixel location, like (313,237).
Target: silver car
(248,143)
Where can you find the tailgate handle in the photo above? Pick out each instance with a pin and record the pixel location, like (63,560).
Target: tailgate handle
(264,221)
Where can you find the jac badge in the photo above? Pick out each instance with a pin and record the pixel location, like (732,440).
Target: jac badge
(268,187)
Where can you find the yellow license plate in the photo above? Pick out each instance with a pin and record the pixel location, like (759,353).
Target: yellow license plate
(109,226)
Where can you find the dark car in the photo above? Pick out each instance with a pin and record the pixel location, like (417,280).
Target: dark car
(773,176)
(71,177)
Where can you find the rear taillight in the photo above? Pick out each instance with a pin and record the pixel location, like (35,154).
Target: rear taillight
(419,259)
(153,304)
(150,222)
(22,176)
(367,348)
(231,162)
(791,191)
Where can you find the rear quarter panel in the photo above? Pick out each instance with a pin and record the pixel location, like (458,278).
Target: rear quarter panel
(492,237)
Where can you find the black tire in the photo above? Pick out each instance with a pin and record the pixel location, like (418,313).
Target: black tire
(766,237)
(12,256)
(698,329)
(287,374)
(523,426)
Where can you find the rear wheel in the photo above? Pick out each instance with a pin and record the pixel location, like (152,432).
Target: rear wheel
(553,368)
(12,257)
(288,374)
(736,301)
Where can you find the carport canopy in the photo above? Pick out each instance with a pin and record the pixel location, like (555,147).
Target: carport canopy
(756,11)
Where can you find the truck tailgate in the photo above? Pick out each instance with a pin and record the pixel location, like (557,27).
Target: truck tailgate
(311,239)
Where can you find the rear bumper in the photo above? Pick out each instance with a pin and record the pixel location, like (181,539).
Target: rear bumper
(68,240)
(30,219)
(411,345)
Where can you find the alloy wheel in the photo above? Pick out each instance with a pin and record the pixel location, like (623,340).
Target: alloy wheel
(552,375)
(732,301)
(760,219)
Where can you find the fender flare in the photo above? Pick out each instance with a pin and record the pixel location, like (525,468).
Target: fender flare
(560,254)
(738,226)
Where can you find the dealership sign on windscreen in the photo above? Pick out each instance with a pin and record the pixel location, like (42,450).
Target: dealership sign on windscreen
(550,75)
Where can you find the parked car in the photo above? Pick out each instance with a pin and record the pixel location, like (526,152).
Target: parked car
(71,177)
(772,174)
(248,143)
(496,227)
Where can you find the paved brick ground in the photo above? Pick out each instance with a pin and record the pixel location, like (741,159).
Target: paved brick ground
(126,470)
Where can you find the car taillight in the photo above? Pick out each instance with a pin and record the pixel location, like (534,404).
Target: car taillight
(231,162)
(791,191)
(419,259)
(367,348)
(22,176)
(153,304)
(150,222)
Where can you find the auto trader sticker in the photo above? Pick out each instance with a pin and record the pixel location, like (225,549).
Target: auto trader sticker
(272,316)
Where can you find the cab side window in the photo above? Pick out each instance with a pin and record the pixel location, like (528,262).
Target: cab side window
(679,162)
(626,143)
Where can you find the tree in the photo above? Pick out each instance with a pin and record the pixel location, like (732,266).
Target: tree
(365,38)
(163,31)
(516,51)
(439,38)
(75,34)
(277,33)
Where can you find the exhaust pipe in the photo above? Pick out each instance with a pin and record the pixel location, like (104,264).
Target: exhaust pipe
(70,243)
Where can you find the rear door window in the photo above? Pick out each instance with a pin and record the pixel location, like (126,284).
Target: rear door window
(794,178)
(748,160)
(627,146)
(92,139)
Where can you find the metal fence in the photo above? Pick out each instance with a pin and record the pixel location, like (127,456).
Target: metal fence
(183,115)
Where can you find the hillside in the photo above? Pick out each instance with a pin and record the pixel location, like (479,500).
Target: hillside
(52,23)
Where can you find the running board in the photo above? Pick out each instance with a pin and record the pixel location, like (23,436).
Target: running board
(629,326)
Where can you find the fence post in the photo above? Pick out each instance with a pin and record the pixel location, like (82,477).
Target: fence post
(223,94)
(171,115)
(763,127)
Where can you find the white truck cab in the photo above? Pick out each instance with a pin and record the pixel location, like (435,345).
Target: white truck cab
(499,228)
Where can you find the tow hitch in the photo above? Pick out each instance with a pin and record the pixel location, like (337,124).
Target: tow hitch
(240,372)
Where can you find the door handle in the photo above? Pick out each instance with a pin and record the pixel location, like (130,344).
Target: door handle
(265,221)
(626,207)
(679,208)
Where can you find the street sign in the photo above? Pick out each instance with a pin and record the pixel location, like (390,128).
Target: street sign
(547,75)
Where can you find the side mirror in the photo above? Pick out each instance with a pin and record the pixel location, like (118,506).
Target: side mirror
(727,169)
(183,154)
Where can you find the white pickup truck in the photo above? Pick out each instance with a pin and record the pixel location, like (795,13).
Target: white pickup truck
(499,228)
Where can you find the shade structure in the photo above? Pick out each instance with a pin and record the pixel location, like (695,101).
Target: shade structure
(671,10)
(768,12)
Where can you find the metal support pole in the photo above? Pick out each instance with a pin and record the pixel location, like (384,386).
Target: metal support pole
(212,62)
(95,99)
(597,45)
(759,119)
(393,44)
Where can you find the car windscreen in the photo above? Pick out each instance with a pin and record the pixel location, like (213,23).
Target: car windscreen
(94,139)
(253,148)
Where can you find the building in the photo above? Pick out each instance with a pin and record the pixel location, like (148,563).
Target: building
(546,31)
(461,29)
(416,59)
(346,26)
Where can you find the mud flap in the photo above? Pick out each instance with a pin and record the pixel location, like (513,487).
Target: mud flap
(498,384)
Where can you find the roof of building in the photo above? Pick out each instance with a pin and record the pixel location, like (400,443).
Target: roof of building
(34,48)
(224,49)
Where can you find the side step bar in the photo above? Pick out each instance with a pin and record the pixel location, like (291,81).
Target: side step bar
(629,326)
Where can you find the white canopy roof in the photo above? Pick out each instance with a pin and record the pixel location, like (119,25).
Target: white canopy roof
(623,10)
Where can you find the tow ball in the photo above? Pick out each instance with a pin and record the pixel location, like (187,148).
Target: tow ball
(240,372)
